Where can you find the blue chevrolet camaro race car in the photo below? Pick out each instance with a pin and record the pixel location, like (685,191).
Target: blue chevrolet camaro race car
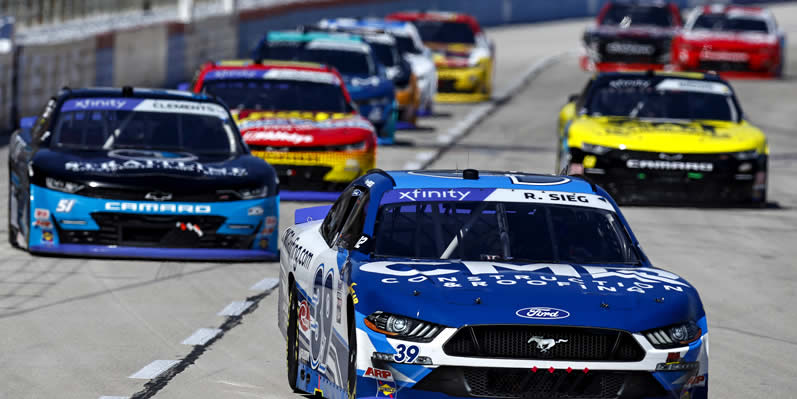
(365,78)
(456,284)
(139,173)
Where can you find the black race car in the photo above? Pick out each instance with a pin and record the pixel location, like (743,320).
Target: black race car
(631,36)
(139,173)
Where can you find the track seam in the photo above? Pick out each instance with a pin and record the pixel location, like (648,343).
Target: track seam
(162,380)
(483,111)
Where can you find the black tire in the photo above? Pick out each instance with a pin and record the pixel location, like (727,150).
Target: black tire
(351,387)
(292,348)
(12,232)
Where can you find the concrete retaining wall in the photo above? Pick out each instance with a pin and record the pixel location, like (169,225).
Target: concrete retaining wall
(164,53)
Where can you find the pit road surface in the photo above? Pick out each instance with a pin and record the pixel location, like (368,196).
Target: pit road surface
(75,328)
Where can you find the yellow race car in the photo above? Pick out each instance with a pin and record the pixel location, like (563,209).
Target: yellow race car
(463,55)
(663,138)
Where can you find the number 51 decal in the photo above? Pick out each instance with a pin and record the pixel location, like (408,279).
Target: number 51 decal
(406,354)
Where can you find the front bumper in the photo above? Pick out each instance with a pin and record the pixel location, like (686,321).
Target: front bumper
(383,116)
(443,376)
(588,64)
(743,64)
(317,171)
(635,177)
(463,84)
(408,100)
(71,224)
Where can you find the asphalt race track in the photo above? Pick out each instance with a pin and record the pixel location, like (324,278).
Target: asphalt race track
(75,328)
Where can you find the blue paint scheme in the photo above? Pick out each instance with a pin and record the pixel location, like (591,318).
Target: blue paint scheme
(303,215)
(308,195)
(629,291)
(236,213)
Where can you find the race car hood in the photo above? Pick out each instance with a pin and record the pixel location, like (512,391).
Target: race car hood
(688,137)
(166,171)
(632,32)
(727,40)
(458,293)
(302,129)
(363,86)
(456,54)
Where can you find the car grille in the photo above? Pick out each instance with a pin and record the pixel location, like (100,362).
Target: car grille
(139,230)
(489,382)
(724,66)
(131,194)
(659,48)
(571,343)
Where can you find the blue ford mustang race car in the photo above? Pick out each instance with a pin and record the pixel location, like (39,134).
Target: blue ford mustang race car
(139,173)
(365,78)
(456,284)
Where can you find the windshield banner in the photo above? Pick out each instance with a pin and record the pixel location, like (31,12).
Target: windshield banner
(145,105)
(496,195)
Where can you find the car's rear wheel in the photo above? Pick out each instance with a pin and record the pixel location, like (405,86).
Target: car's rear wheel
(292,355)
(12,231)
(352,369)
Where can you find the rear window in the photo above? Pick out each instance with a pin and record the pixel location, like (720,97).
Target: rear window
(626,15)
(721,22)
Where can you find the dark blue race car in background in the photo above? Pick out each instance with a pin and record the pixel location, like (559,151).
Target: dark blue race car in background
(139,173)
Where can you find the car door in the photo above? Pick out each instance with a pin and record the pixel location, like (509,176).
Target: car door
(324,289)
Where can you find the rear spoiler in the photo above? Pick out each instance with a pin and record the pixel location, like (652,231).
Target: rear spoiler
(305,215)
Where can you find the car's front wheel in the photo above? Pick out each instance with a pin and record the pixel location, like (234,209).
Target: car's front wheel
(12,212)
(292,356)
(352,369)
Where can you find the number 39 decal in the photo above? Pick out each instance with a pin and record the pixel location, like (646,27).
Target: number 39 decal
(406,354)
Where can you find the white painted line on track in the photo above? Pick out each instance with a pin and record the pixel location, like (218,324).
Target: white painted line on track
(154,369)
(480,112)
(266,284)
(235,308)
(202,336)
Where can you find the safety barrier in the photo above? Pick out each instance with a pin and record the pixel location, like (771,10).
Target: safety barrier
(168,49)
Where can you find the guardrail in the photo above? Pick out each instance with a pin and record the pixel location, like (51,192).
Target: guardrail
(164,45)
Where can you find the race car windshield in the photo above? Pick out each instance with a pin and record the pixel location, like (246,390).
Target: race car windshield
(406,45)
(540,233)
(721,22)
(385,53)
(640,98)
(445,32)
(286,51)
(96,130)
(278,95)
(625,15)
(346,62)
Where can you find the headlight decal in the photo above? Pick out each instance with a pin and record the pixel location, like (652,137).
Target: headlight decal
(402,327)
(674,336)
(62,186)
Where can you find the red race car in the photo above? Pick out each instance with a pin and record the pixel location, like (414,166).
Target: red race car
(731,40)
(299,118)
(631,36)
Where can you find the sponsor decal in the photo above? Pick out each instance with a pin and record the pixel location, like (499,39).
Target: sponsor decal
(148,155)
(656,164)
(65,206)
(304,316)
(406,353)
(629,83)
(270,121)
(302,75)
(190,227)
(222,74)
(428,194)
(47,236)
(632,127)
(354,298)
(298,255)
(630,48)
(158,196)
(695,86)
(277,135)
(43,224)
(545,344)
(490,274)
(379,374)
(150,207)
(304,355)
(270,225)
(145,105)
(723,56)
(386,390)
(542,313)
(97,104)
(113,166)
(369,183)
(41,214)
(255,211)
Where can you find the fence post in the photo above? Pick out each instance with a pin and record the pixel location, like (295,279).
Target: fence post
(185,11)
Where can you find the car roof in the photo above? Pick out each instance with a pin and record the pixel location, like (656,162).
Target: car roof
(736,10)
(444,179)
(298,36)
(133,92)
(437,16)
(268,64)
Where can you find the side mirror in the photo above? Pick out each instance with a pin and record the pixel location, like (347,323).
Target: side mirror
(28,122)
(573,98)
(184,86)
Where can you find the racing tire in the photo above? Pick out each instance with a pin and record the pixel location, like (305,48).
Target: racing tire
(292,348)
(12,232)
(351,385)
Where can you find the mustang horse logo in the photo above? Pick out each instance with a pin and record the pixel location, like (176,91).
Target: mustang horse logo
(544,344)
